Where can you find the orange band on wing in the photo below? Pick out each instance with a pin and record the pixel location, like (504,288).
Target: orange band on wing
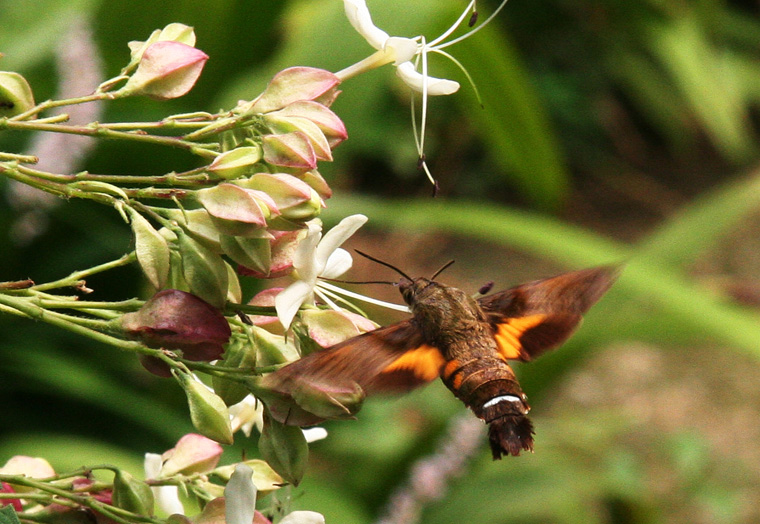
(425,362)
(508,335)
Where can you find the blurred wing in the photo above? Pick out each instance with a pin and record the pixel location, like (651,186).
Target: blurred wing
(389,359)
(533,318)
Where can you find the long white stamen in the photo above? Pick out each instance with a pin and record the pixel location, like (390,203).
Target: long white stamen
(389,305)
(476,29)
(454,26)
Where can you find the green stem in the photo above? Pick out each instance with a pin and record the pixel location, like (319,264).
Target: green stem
(193,178)
(98,131)
(75,278)
(48,104)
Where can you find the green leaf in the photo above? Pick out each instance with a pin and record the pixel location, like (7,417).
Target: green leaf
(284,448)
(8,515)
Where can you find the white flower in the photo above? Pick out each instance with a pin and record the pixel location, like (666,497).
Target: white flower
(316,256)
(398,50)
(246,414)
(407,54)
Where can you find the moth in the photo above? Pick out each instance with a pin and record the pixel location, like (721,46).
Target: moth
(467,342)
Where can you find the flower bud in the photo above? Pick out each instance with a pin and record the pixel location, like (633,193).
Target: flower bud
(174,32)
(265,299)
(152,250)
(280,124)
(264,477)
(193,453)
(32,467)
(289,150)
(234,291)
(16,503)
(329,401)
(204,270)
(237,211)
(255,253)
(328,327)
(174,319)
(132,494)
(329,123)
(15,94)
(166,70)
(208,412)
(198,223)
(295,199)
(317,183)
(285,449)
(235,163)
(295,84)
(283,247)
(242,355)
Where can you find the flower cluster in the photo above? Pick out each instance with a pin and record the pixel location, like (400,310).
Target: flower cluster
(228,493)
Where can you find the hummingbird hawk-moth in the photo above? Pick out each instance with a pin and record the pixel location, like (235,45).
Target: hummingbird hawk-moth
(465,341)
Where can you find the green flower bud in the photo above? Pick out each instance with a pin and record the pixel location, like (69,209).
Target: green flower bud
(132,494)
(208,412)
(283,247)
(204,271)
(236,163)
(152,250)
(237,211)
(329,123)
(15,94)
(239,354)
(255,253)
(285,449)
(329,401)
(198,223)
(292,150)
(296,84)
(265,478)
(234,291)
(280,124)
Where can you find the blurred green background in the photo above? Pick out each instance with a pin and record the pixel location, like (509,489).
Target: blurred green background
(609,131)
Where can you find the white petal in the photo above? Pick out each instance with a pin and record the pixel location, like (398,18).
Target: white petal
(435,86)
(289,300)
(358,14)
(303,258)
(335,237)
(152,465)
(314,434)
(167,497)
(404,49)
(339,262)
(240,496)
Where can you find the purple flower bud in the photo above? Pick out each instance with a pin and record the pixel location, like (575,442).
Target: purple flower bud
(174,319)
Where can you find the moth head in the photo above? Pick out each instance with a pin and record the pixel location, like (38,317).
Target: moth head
(412,288)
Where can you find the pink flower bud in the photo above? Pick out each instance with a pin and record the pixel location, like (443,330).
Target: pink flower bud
(193,454)
(328,327)
(294,85)
(265,299)
(16,503)
(283,247)
(167,70)
(237,211)
(328,122)
(236,162)
(174,319)
(289,150)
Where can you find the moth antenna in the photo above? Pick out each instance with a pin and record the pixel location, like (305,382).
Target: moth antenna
(386,264)
(359,281)
(446,265)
